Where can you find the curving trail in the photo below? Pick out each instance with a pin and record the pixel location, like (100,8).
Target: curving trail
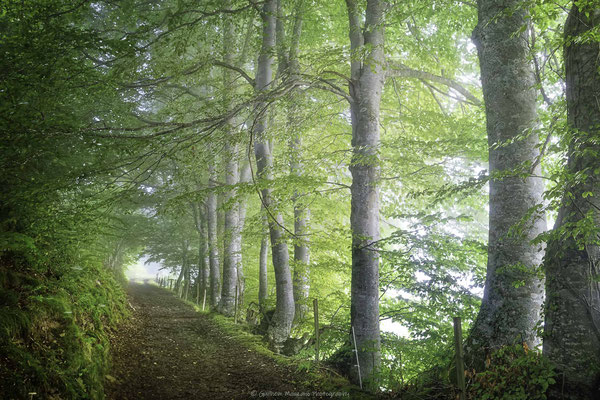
(169,351)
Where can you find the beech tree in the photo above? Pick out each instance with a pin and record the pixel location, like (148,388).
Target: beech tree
(281,322)
(203,277)
(263,289)
(513,294)
(366,86)
(571,330)
(369,70)
(232,233)
(289,69)
(213,245)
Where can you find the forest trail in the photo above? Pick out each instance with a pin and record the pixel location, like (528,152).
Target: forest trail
(169,351)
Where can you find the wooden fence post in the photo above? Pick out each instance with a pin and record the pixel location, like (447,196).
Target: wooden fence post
(316,312)
(460,364)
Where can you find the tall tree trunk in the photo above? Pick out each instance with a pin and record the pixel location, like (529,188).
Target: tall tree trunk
(199,213)
(187,280)
(301,211)
(213,245)
(235,211)
(513,291)
(205,258)
(182,287)
(231,236)
(245,177)
(367,78)
(179,280)
(301,255)
(115,260)
(281,322)
(199,282)
(288,68)
(263,285)
(572,326)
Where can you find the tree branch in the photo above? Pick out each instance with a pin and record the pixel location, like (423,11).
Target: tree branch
(402,71)
(236,69)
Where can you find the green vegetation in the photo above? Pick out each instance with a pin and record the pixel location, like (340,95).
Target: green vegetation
(61,271)
(513,373)
(59,304)
(55,333)
(317,376)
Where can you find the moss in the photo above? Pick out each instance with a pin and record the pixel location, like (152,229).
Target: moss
(54,335)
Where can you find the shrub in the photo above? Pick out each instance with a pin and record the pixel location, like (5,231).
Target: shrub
(512,373)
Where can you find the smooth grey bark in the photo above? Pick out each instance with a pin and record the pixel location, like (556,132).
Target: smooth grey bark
(281,322)
(231,234)
(179,280)
(205,259)
(282,55)
(184,275)
(245,177)
(263,285)
(572,324)
(289,68)
(301,279)
(187,280)
(220,221)
(202,262)
(200,283)
(513,292)
(301,211)
(203,280)
(367,79)
(235,210)
(213,245)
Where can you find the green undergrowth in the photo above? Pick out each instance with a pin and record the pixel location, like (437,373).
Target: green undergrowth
(315,377)
(511,373)
(55,316)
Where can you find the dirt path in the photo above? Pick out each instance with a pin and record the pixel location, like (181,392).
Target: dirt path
(169,351)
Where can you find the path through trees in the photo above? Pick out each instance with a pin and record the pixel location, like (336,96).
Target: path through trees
(169,351)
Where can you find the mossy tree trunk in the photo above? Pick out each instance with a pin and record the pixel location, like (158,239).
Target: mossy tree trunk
(572,325)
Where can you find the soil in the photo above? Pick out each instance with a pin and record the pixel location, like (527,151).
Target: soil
(169,351)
